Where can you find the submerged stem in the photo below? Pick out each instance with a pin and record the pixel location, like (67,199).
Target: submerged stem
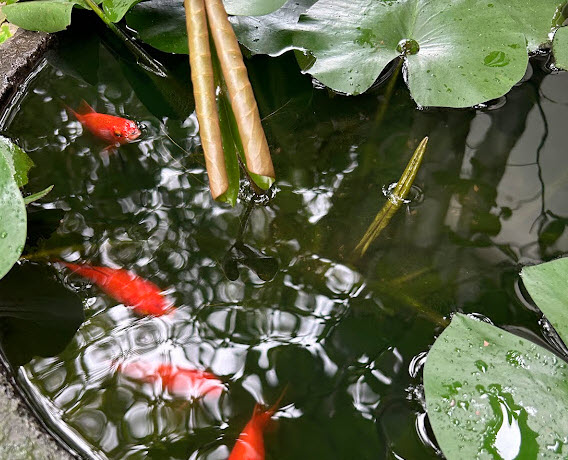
(144,58)
(395,200)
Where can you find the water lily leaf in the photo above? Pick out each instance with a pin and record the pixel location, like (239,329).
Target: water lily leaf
(252,7)
(116,9)
(560,48)
(161,24)
(273,33)
(448,61)
(536,19)
(39,321)
(19,161)
(491,394)
(12,215)
(546,283)
(41,15)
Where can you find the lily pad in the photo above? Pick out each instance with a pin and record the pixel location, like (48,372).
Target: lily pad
(448,61)
(161,24)
(41,15)
(271,34)
(116,9)
(491,394)
(252,7)
(560,48)
(19,161)
(12,215)
(546,283)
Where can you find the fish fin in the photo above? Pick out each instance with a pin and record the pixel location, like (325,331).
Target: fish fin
(72,112)
(272,410)
(85,108)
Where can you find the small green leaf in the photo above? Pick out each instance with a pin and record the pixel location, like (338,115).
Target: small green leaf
(560,48)
(5,32)
(252,7)
(41,15)
(491,394)
(546,284)
(273,33)
(12,216)
(161,24)
(116,9)
(230,149)
(37,196)
(19,161)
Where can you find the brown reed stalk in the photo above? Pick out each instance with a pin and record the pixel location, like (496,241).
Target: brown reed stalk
(241,96)
(204,92)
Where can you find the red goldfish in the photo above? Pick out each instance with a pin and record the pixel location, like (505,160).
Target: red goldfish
(179,381)
(144,296)
(113,130)
(250,444)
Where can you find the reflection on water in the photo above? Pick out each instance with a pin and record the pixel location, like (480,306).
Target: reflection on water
(265,296)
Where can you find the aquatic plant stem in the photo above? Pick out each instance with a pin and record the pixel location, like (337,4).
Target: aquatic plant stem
(388,95)
(241,96)
(204,90)
(395,200)
(144,58)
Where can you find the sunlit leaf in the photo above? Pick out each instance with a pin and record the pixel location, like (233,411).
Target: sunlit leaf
(19,161)
(560,48)
(546,283)
(116,9)
(252,7)
(41,15)
(12,215)
(491,394)
(449,63)
(272,33)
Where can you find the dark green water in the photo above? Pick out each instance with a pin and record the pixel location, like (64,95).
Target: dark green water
(349,339)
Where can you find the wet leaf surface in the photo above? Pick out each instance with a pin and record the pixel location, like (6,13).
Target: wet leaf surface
(560,48)
(42,15)
(546,283)
(492,394)
(12,209)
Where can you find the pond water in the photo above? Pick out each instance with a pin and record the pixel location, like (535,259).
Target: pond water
(267,295)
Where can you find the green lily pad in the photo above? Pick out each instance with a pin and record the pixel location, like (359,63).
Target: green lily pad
(546,283)
(271,34)
(41,15)
(12,216)
(491,394)
(19,161)
(448,61)
(116,9)
(252,7)
(161,24)
(560,48)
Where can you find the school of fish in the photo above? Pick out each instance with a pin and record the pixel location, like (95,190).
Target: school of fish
(146,298)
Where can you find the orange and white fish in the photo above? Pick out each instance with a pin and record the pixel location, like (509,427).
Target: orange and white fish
(113,130)
(179,381)
(250,444)
(143,296)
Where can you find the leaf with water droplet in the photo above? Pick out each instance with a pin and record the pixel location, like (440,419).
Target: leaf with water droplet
(13,211)
(510,411)
(546,284)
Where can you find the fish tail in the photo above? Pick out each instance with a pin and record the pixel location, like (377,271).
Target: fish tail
(272,410)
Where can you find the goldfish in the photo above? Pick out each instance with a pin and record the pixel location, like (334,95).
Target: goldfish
(113,130)
(178,380)
(124,286)
(250,443)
